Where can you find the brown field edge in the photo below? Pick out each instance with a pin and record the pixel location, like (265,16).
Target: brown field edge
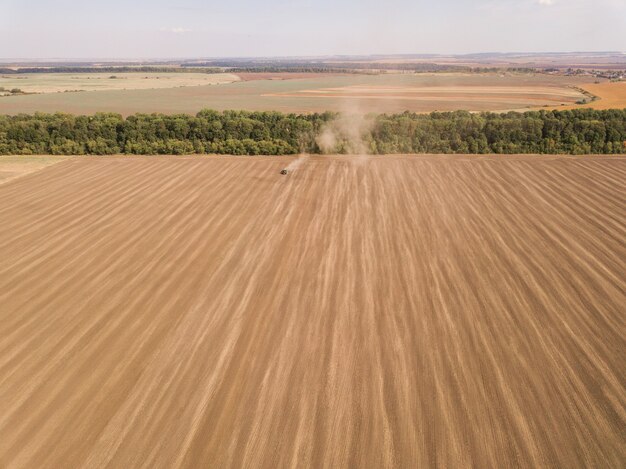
(394,311)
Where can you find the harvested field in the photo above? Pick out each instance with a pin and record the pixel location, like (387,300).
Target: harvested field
(323,92)
(439,95)
(392,311)
(610,95)
(64,82)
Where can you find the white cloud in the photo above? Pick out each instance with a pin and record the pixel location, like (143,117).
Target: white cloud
(545,2)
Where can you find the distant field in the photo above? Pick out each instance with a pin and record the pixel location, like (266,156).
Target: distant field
(61,82)
(311,93)
(386,312)
(253,76)
(610,95)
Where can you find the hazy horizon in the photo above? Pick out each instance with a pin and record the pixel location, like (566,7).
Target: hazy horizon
(122,59)
(70,29)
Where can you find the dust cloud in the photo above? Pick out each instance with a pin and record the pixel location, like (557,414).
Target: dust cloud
(347,134)
(295,164)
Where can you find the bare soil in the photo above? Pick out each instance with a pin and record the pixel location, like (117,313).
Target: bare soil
(403,311)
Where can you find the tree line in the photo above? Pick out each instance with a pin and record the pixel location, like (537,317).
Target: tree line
(581,131)
(302,66)
(109,69)
(229,132)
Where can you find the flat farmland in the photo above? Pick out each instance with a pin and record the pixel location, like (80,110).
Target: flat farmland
(610,95)
(67,82)
(317,93)
(397,311)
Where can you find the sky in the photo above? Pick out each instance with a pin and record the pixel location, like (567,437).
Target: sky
(152,29)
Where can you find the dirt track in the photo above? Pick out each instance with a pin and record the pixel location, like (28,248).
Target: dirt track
(390,312)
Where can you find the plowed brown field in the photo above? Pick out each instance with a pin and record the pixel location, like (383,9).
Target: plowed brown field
(409,312)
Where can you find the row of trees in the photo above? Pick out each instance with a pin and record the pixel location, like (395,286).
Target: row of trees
(229,132)
(582,131)
(11,91)
(242,66)
(109,69)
